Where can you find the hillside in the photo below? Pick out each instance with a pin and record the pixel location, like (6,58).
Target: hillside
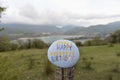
(30,30)
(96,29)
(32,64)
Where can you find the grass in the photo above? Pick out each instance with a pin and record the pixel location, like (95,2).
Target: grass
(31,64)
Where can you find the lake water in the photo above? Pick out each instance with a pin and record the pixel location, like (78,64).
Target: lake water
(51,39)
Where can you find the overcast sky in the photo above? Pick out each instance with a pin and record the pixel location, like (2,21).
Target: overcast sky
(61,12)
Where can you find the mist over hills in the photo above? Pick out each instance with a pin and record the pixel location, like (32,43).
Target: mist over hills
(29,30)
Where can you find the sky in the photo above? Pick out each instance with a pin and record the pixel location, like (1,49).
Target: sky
(61,12)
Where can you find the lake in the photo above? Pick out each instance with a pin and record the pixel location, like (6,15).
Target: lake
(51,39)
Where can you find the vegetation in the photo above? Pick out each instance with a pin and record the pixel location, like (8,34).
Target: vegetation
(118,54)
(6,45)
(96,41)
(29,44)
(1,29)
(114,38)
(24,65)
(1,11)
(78,44)
(28,60)
(87,63)
(101,63)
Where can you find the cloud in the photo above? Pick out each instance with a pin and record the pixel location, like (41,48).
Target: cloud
(31,14)
(43,16)
(29,11)
(93,16)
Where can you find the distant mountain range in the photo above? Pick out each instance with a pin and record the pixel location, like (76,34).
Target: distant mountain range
(13,28)
(27,29)
(96,29)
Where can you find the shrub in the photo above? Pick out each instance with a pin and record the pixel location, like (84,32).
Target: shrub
(39,44)
(32,44)
(78,44)
(4,43)
(14,46)
(114,37)
(88,43)
(95,42)
(22,45)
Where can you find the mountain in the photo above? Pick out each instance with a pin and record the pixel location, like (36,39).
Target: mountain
(25,30)
(15,30)
(75,30)
(69,27)
(96,29)
(31,28)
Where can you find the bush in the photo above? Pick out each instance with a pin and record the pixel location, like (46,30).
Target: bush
(114,37)
(4,43)
(29,44)
(39,44)
(14,46)
(95,42)
(88,43)
(78,44)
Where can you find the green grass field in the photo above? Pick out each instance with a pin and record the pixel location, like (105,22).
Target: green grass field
(95,63)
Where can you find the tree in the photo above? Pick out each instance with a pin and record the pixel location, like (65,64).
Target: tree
(1,29)
(1,11)
(4,43)
(114,37)
(96,41)
(117,33)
